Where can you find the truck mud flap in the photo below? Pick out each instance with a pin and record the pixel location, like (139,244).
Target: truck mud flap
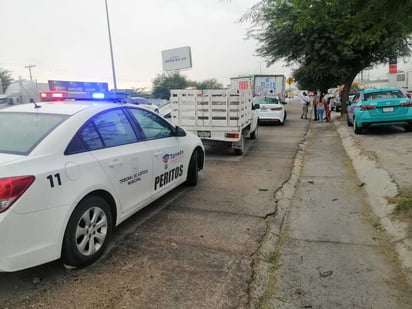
(239,147)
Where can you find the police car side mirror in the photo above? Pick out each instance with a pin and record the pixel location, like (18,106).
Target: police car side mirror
(255,106)
(180,131)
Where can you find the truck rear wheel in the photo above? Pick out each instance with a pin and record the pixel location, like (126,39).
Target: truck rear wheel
(255,133)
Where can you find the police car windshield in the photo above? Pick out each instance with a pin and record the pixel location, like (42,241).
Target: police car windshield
(22,132)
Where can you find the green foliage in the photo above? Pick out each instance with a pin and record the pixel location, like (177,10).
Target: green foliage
(208,84)
(164,82)
(6,79)
(331,40)
(403,203)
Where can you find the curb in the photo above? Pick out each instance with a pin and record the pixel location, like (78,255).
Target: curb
(263,260)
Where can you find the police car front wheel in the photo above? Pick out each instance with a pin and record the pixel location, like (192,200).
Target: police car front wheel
(87,232)
(193,171)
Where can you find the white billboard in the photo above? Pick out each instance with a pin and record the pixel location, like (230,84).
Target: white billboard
(176,58)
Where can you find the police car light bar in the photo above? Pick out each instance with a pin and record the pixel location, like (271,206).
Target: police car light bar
(90,96)
(53,95)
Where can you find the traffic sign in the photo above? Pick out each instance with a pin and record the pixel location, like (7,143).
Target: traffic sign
(289,81)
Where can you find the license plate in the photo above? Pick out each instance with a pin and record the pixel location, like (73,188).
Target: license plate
(387,109)
(203,134)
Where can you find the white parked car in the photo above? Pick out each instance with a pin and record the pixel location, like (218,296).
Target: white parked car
(71,171)
(270,109)
(143,102)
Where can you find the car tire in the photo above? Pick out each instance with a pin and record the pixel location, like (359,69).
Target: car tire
(255,133)
(408,128)
(87,232)
(193,170)
(357,129)
(284,119)
(350,124)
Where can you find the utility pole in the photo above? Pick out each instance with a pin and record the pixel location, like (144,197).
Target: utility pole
(111,47)
(29,67)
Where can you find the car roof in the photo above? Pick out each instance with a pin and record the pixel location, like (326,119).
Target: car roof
(68,107)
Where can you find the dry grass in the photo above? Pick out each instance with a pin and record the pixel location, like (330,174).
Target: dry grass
(403,203)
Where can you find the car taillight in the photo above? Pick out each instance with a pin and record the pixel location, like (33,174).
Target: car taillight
(367,107)
(12,188)
(406,104)
(232,135)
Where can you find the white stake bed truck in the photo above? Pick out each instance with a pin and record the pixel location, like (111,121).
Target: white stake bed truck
(225,116)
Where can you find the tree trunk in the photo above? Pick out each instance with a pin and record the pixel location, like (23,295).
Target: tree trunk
(345,92)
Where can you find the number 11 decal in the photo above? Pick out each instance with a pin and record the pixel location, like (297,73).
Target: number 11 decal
(54,177)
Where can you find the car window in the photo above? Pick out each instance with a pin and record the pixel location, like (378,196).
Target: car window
(265,100)
(388,94)
(152,126)
(22,132)
(90,137)
(114,128)
(108,129)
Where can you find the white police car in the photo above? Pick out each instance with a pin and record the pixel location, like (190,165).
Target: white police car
(72,170)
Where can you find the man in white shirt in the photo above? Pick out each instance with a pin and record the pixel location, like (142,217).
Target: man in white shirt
(304,100)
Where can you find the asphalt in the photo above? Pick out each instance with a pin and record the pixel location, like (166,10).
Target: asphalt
(334,214)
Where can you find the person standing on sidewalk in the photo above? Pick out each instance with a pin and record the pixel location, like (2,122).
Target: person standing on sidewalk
(305,101)
(315,99)
(327,110)
(320,107)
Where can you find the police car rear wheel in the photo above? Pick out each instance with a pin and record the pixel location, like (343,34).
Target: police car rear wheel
(87,232)
(193,171)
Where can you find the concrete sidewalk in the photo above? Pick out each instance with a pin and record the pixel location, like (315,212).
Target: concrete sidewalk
(384,178)
(325,247)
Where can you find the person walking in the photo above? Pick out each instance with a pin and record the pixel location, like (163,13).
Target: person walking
(320,107)
(315,99)
(304,100)
(327,110)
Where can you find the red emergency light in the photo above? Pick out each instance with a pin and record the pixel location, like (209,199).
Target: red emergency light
(53,95)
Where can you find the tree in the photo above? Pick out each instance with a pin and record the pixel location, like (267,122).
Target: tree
(208,84)
(164,82)
(330,40)
(6,79)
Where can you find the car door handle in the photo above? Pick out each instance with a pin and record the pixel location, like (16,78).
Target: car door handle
(115,162)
